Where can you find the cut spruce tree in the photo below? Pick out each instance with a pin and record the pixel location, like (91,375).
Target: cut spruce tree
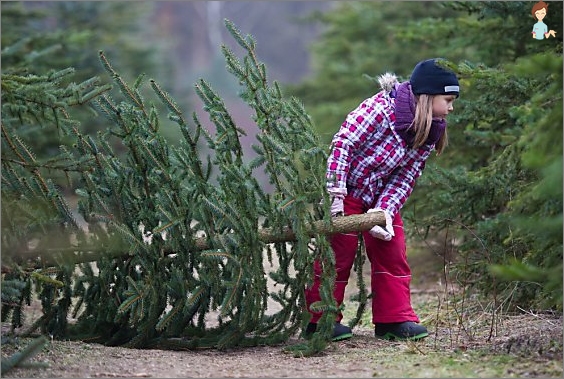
(181,245)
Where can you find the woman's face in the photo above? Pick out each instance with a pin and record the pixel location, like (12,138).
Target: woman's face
(540,14)
(442,105)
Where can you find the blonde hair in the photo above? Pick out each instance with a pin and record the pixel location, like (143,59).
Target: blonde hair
(422,123)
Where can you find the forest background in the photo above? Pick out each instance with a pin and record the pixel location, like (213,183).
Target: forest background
(491,206)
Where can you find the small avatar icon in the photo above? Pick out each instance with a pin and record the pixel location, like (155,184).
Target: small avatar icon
(540,30)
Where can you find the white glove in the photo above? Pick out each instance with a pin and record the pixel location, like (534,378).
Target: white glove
(337,195)
(384,233)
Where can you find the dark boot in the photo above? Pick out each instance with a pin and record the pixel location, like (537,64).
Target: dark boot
(407,330)
(340,331)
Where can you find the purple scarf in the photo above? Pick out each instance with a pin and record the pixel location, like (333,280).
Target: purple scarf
(405,112)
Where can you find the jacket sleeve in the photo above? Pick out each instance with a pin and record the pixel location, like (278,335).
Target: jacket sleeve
(400,183)
(359,125)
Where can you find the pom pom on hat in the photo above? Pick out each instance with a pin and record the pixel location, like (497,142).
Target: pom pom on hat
(431,79)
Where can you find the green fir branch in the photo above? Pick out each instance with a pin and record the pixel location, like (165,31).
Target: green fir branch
(19,358)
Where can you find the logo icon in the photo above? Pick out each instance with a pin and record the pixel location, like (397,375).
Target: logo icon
(540,30)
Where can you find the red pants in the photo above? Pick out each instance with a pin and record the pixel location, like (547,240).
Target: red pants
(390,272)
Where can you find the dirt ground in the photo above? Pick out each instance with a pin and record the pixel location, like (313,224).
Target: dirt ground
(526,346)
(521,345)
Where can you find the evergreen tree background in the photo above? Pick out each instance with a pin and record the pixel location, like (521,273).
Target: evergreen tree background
(38,37)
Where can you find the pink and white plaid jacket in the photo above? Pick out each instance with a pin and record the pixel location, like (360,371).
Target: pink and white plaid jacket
(370,160)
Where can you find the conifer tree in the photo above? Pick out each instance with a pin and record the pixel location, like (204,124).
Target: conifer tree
(174,253)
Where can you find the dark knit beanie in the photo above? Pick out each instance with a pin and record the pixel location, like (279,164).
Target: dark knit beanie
(431,79)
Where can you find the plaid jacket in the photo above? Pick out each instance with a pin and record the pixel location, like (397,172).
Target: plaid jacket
(370,160)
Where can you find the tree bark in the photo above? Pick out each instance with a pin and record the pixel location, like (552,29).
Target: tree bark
(343,224)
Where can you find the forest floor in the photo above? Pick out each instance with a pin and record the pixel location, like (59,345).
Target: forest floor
(479,345)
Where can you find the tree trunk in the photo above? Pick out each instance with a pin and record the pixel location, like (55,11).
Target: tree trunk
(343,224)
